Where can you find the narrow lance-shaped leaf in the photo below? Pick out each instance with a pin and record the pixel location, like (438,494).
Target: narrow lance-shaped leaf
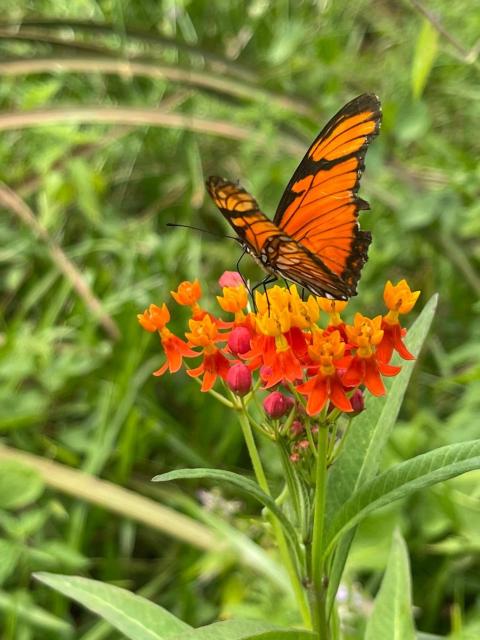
(244,484)
(402,480)
(134,616)
(392,616)
(244,630)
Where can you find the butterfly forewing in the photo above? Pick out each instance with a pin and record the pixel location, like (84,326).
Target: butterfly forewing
(319,208)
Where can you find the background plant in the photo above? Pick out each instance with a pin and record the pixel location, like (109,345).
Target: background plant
(240,90)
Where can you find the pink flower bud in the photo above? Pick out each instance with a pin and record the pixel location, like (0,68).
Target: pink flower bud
(230,279)
(239,379)
(277,405)
(294,457)
(303,444)
(357,401)
(296,428)
(239,340)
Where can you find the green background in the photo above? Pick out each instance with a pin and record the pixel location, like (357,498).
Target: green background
(112,114)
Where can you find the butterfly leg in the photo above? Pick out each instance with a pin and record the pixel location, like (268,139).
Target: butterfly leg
(263,283)
(241,274)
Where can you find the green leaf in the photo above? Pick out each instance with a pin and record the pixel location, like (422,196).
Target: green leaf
(402,480)
(366,439)
(19,485)
(244,484)
(134,616)
(391,618)
(279,634)
(244,630)
(425,54)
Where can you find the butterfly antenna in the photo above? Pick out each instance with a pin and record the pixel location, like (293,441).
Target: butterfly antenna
(212,233)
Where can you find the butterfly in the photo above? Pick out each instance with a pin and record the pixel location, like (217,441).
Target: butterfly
(314,238)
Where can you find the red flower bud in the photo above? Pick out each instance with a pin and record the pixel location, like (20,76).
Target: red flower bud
(239,340)
(239,379)
(277,405)
(230,279)
(357,401)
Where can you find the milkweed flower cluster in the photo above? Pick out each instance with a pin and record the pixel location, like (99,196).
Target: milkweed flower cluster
(301,347)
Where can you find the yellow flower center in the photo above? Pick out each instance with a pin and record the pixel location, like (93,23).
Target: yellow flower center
(365,334)
(203,333)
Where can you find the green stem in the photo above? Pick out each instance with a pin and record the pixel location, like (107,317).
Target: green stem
(319,612)
(277,528)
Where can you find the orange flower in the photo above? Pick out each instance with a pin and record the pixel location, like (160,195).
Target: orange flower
(203,333)
(187,293)
(234,300)
(175,350)
(327,353)
(365,367)
(303,313)
(365,334)
(214,364)
(154,318)
(333,308)
(278,365)
(399,300)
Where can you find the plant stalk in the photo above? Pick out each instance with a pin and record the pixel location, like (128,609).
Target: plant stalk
(318,602)
(277,528)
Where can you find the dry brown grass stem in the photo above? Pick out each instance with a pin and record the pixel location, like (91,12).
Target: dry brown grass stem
(119,500)
(10,200)
(155,71)
(139,116)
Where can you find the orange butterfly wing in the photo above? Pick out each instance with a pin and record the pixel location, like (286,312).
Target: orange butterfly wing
(277,253)
(243,213)
(319,208)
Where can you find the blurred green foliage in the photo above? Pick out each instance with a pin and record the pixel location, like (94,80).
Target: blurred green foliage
(254,81)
